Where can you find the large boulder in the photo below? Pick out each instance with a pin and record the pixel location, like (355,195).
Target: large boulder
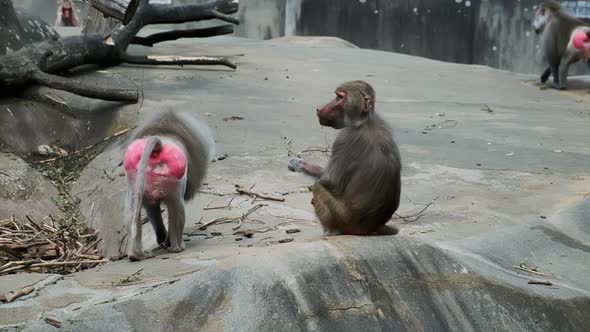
(25,192)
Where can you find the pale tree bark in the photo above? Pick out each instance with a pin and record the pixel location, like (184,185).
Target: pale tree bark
(96,22)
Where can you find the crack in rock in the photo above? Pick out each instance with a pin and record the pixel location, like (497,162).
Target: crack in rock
(357,307)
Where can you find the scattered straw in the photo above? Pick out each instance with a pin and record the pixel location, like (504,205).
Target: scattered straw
(47,247)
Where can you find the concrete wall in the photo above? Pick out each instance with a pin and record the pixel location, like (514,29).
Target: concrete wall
(427,28)
(497,33)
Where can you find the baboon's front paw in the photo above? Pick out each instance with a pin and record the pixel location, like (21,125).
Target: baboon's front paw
(295,165)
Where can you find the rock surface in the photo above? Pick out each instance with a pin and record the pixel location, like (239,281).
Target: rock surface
(25,192)
(507,161)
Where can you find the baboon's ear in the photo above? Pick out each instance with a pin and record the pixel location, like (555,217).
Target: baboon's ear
(368,106)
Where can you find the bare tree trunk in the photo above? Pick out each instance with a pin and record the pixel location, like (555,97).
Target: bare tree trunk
(9,22)
(44,63)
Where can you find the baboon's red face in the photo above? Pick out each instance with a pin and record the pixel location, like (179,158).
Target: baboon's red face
(333,113)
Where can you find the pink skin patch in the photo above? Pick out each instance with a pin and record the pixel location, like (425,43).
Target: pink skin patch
(580,40)
(168,162)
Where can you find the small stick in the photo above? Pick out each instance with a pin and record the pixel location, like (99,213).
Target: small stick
(27,245)
(533,272)
(540,282)
(242,191)
(90,257)
(115,135)
(49,228)
(15,263)
(239,224)
(34,224)
(239,219)
(53,322)
(13,296)
(94,261)
(246,215)
(91,246)
(214,221)
(326,149)
(220,207)
(15,225)
(136,272)
(418,214)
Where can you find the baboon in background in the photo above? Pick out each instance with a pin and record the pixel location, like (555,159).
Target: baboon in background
(559,31)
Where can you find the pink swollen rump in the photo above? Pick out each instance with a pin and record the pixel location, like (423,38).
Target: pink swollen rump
(580,38)
(168,162)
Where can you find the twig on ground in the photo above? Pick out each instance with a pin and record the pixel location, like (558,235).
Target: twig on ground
(106,139)
(417,215)
(53,322)
(220,207)
(487,109)
(240,190)
(540,282)
(239,219)
(289,218)
(246,233)
(15,295)
(529,270)
(325,150)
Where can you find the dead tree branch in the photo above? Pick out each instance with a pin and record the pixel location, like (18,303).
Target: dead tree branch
(41,63)
(177,34)
(83,89)
(177,60)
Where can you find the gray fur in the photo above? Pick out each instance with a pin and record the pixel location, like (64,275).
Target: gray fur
(195,137)
(359,190)
(365,171)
